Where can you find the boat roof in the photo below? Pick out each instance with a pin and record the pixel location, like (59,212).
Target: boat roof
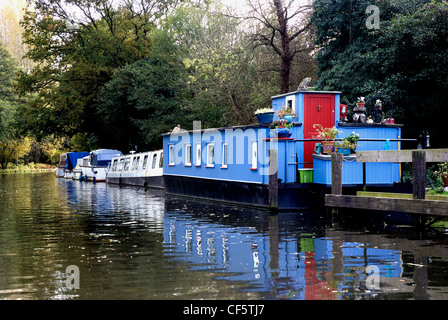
(300,91)
(137,154)
(72,158)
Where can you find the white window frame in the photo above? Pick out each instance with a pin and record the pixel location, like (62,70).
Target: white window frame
(198,155)
(188,155)
(225,155)
(145,162)
(154,161)
(171,155)
(127,164)
(254,153)
(291,98)
(210,157)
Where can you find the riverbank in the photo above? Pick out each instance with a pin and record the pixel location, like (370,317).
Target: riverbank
(30,168)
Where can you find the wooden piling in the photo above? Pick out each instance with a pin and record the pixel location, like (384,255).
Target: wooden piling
(336,173)
(419,174)
(273,181)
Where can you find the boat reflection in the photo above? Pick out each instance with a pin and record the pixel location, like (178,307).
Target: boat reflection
(275,254)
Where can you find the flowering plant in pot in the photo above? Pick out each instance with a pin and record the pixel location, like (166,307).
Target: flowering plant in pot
(286,113)
(328,135)
(325,133)
(282,127)
(442,172)
(352,141)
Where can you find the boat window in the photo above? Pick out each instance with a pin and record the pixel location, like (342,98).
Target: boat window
(161,160)
(291,102)
(198,154)
(120,166)
(171,156)
(114,166)
(254,155)
(188,154)
(145,162)
(225,148)
(127,164)
(135,163)
(210,155)
(154,160)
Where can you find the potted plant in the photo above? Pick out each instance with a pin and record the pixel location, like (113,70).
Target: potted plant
(286,113)
(282,127)
(443,173)
(328,135)
(352,141)
(264,115)
(343,147)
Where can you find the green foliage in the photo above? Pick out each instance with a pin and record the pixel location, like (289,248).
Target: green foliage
(402,63)
(142,101)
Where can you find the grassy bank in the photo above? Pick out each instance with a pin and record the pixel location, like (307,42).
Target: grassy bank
(29,168)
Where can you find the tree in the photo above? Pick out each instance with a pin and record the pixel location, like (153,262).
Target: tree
(142,101)
(12,144)
(286,28)
(76,56)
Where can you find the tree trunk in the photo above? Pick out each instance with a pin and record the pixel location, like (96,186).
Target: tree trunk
(286,58)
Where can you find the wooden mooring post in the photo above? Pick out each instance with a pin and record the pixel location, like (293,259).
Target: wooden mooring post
(273,181)
(418,204)
(336,173)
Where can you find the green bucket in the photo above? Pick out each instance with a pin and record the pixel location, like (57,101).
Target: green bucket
(306,175)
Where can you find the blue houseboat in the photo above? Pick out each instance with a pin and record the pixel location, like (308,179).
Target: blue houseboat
(232,164)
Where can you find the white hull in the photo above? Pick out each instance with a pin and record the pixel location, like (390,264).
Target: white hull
(68,175)
(96,174)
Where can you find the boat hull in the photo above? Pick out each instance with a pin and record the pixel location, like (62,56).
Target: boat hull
(291,196)
(146,182)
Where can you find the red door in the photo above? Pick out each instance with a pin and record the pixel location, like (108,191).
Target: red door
(318,109)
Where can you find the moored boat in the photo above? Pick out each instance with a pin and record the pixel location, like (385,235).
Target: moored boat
(99,161)
(60,169)
(233,164)
(138,169)
(71,162)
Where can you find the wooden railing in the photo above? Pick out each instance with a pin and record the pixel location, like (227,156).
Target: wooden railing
(417,204)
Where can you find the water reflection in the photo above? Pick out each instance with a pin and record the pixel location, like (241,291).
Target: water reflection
(279,264)
(131,243)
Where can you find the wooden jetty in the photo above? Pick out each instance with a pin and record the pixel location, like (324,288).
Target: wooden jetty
(416,203)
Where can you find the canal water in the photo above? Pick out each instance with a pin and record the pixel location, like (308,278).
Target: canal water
(64,239)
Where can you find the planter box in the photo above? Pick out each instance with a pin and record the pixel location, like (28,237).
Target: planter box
(265,118)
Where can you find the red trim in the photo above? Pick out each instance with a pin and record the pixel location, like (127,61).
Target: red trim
(269,139)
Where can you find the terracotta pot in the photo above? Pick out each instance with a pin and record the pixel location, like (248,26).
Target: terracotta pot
(445,179)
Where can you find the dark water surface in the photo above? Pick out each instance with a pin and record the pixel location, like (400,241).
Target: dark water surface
(142,244)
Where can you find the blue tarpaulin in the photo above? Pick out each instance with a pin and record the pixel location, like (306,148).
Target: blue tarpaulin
(102,157)
(72,157)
